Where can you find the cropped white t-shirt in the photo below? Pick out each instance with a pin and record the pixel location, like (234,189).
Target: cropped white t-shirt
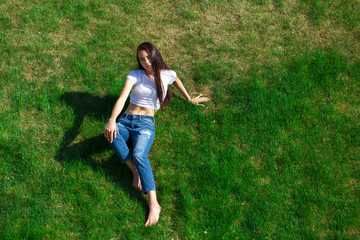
(143,92)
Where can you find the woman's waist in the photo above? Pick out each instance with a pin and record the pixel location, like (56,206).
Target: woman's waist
(134,109)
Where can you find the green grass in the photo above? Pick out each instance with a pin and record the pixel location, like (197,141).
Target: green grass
(274,155)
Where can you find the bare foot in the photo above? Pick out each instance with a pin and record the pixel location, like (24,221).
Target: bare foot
(136,181)
(154,214)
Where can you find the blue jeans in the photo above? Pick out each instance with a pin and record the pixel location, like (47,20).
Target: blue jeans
(134,137)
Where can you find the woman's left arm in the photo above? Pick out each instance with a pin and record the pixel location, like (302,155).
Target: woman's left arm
(197,100)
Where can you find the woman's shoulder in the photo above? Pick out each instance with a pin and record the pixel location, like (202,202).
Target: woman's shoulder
(135,75)
(168,76)
(168,73)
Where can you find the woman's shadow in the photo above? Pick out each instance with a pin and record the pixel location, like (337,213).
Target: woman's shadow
(92,151)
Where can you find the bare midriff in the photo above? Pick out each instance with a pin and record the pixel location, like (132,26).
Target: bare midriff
(137,110)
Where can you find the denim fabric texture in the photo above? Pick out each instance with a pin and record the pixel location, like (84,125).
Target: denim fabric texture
(134,137)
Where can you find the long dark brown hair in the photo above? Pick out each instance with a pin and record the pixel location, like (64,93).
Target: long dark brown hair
(157,64)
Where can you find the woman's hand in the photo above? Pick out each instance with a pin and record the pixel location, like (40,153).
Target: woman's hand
(110,130)
(197,100)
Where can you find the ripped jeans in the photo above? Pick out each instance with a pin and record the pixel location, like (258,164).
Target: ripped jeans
(134,137)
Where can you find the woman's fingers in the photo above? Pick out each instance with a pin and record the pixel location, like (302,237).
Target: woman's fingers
(109,138)
(105,133)
(197,100)
(204,99)
(110,134)
(201,99)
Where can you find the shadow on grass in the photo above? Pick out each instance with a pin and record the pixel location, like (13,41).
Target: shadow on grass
(92,151)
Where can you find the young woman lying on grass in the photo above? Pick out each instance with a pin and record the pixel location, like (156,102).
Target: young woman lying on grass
(132,136)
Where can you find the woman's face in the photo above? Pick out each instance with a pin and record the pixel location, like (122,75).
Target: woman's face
(145,60)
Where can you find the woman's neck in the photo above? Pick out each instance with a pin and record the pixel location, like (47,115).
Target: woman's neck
(149,74)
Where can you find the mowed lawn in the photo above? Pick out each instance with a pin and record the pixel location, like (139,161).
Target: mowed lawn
(274,154)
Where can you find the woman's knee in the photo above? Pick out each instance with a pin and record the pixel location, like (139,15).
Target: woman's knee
(140,156)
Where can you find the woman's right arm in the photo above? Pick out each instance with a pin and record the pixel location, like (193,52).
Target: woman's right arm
(110,126)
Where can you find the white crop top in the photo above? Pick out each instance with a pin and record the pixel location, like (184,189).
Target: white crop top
(143,92)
